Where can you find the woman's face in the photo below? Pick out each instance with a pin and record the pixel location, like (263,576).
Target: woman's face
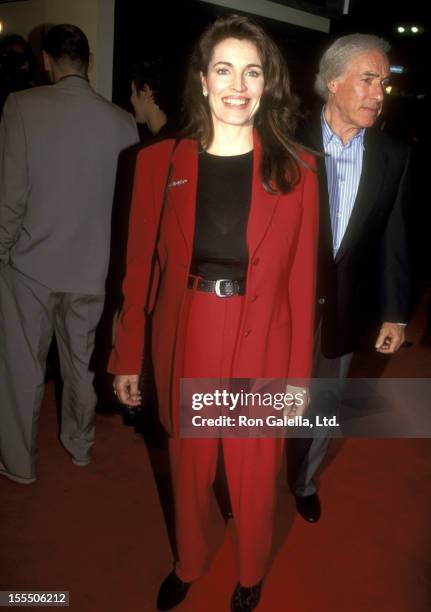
(234,82)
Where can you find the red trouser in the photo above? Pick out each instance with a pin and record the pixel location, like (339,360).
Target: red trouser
(251,465)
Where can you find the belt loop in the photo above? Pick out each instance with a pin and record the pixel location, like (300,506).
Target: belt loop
(196,280)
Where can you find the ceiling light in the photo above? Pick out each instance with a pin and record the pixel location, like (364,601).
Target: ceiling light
(414,29)
(401,29)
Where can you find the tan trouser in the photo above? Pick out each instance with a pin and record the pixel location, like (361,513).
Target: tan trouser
(29,316)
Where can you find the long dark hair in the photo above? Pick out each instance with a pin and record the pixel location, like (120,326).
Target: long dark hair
(275,119)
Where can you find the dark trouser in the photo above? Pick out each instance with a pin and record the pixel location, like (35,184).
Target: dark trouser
(30,314)
(306,454)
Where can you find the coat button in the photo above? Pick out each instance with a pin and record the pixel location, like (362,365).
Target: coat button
(321,301)
(256,261)
(247,332)
(253,298)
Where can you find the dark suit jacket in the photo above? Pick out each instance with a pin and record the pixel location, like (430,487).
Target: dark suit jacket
(368,282)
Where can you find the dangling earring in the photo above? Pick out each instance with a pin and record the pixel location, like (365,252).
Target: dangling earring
(205,93)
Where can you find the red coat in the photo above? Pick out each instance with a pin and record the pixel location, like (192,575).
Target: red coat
(275,338)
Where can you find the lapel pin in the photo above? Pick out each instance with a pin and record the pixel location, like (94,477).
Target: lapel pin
(177,183)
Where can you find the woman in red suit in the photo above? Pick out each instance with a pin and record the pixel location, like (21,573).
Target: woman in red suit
(241,206)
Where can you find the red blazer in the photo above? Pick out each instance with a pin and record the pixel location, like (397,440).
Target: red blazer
(275,338)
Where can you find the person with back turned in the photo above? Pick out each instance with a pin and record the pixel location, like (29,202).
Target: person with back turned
(363,280)
(59,146)
(152,100)
(17,65)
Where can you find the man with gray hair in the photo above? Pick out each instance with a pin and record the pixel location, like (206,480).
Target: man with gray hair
(59,147)
(363,280)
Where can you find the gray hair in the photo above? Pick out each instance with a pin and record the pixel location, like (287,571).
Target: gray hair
(335,59)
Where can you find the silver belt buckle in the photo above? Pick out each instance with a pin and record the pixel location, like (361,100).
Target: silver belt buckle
(218,285)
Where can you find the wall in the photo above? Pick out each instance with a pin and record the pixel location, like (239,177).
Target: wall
(277,11)
(105,46)
(22,17)
(94,17)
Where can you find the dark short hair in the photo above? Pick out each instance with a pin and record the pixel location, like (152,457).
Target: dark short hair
(10,41)
(275,119)
(67,43)
(152,72)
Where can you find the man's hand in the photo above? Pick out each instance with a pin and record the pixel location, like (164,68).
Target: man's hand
(391,337)
(127,390)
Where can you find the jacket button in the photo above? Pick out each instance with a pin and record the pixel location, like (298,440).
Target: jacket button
(321,301)
(253,298)
(247,332)
(256,261)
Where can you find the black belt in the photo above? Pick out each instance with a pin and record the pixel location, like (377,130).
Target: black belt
(223,287)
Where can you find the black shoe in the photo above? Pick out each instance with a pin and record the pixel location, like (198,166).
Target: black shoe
(245,599)
(172,592)
(309,507)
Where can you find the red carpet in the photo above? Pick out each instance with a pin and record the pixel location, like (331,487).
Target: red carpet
(99,532)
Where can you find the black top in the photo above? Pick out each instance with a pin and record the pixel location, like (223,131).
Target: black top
(222,208)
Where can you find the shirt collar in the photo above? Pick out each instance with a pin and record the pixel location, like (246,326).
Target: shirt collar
(75,76)
(328,134)
(72,81)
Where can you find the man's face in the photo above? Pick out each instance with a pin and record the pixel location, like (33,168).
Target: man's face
(357,96)
(140,101)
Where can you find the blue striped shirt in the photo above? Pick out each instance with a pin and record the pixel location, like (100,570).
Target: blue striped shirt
(343,169)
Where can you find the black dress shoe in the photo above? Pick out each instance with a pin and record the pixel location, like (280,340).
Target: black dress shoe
(172,592)
(245,599)
(309,507)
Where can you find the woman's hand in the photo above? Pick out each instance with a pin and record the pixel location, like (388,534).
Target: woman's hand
(126,388)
